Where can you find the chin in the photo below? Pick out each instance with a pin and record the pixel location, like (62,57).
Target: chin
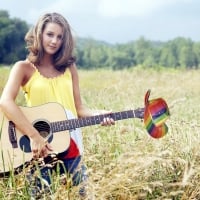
(51,52)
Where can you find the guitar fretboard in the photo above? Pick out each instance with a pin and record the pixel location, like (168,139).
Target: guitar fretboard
(88,121)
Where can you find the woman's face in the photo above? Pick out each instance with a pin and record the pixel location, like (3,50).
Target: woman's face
(52,38)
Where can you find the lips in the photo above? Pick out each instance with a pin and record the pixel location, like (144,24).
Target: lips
(52,47)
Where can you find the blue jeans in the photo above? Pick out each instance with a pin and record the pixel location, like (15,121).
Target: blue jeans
(70,167)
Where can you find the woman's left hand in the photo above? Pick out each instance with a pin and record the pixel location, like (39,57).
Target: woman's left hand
(107,121)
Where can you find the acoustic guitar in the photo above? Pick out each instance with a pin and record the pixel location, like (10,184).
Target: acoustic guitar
(51,122)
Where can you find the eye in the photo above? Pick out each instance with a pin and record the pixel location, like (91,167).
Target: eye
(60,37)
(50,34)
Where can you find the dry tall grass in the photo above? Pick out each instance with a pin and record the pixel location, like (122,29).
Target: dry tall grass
(123,161)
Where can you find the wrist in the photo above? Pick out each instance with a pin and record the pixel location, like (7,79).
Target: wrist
(33,133)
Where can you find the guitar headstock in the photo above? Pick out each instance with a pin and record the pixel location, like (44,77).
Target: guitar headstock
(139,113)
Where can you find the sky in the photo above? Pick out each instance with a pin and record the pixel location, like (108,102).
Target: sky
(117,21)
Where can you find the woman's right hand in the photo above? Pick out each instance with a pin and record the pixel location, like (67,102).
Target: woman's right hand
(40,147)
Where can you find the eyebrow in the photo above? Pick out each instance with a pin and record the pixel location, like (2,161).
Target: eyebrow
(48,31)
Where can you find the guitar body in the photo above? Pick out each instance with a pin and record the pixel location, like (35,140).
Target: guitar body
(15,146)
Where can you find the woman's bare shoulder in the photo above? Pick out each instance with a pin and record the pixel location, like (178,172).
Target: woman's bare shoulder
(24,68)
(23,64)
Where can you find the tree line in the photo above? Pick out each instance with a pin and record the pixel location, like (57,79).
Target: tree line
(177,53)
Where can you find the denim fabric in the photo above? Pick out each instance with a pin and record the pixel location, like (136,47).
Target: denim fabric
(71,167)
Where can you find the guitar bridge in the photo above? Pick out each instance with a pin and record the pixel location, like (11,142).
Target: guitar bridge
(12,134)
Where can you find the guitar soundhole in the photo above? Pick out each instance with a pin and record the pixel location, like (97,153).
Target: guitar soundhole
(43,128)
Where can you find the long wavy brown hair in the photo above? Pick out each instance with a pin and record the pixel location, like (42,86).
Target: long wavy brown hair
(63,57)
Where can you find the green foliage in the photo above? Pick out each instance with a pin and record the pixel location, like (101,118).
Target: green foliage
(177,53)
(12,32)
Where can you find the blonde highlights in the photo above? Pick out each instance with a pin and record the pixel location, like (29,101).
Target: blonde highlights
(33,38)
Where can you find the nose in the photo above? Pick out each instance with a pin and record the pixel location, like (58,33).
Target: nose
(54,40)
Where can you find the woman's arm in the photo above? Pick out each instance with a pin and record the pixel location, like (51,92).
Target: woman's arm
(17,77)
(82,110)
(7,101)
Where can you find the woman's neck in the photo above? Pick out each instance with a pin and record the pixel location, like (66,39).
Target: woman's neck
(47,61)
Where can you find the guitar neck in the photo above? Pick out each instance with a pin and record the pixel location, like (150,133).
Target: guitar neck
(72,124)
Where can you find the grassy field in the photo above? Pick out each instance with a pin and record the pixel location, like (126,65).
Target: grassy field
(123,161)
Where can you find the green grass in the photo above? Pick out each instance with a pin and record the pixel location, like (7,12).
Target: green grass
(123,161)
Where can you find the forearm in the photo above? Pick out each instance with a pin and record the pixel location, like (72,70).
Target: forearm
(84,111)
(14,113)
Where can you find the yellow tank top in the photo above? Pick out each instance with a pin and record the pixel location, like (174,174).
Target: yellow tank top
(40,90)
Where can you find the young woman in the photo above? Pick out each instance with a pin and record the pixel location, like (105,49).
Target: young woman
(49,74)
